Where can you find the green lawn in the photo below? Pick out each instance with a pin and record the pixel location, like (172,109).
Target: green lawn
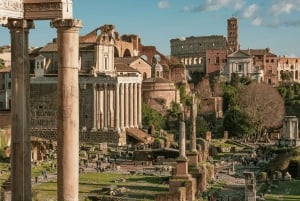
(286,191)
(138,186)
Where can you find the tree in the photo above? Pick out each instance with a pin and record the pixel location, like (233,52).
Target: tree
(236,123)
(151,117)
(263,105)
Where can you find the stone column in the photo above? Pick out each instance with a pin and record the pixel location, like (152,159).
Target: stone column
(182,134)
(20,110)
(117,108)
(131,105)
(139,103)
(95,107)
(250,186)
(106,106)
(68,106)
(126,105)
(135,106)
(193,116)
(122,106)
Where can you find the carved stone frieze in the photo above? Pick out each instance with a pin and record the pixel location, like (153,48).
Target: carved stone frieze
(45,9)
(10,9)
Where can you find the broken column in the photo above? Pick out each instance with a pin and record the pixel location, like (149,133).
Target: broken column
(250,186)
(68,108)
(20,131)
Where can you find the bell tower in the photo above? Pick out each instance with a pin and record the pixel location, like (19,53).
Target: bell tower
(232,34)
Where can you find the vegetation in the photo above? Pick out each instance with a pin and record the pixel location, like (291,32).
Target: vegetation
(151,117)
(263,106)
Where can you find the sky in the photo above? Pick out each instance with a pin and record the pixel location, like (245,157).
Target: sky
(273,24)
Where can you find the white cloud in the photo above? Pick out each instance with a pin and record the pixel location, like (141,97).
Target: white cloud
(250,11)
(163,4)
(257,21)
(212,5)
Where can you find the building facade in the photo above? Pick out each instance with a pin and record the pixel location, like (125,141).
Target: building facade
(291,66)
(241,64)
(109,93)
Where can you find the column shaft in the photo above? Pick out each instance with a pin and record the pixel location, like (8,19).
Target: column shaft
(117,106)
(68,108)
(20,131)
(122,106)
(131,105)
(139,112)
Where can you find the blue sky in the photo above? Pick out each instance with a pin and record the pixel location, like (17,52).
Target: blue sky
(262,23)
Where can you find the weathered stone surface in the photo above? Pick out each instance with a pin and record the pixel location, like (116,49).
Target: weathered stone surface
(45,9)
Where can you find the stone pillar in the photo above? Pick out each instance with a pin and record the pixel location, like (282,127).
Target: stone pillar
(126,105)
(122,106)
(250,186)
(193,116)
(139,112)
(117,107)
(20,110)
(95,107)
(68,108)
(106,106)
(131,105)
(182,134)
(135,105)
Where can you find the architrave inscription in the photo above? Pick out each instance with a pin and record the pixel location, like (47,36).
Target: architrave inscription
(48,9)
(11,9)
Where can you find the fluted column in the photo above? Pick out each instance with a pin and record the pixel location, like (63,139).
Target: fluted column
(20,110)
(68,108)
(122,106)
(131,99)
(117,107)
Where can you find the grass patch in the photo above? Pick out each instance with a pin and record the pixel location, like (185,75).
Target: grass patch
(139,187)
(287,191)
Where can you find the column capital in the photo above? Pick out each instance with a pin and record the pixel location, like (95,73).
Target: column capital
(19,24)
(66,23)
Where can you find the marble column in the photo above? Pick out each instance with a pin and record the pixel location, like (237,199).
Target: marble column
(117,107)
(131,105)
(122,106)
(126,105)
(20,110)
(139,112)
(68,108)
(95,107)
(106,107)
(135,106)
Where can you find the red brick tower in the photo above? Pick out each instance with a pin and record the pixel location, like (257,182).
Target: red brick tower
(232,34)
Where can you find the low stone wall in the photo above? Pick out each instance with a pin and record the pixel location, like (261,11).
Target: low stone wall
(179,195)
(84,136)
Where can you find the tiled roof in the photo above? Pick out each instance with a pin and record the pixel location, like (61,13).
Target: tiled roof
(125,60)
(50,47)
(121,67)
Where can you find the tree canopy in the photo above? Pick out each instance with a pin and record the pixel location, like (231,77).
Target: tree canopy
(263,106)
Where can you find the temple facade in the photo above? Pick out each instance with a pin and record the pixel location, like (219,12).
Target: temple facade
(109,92)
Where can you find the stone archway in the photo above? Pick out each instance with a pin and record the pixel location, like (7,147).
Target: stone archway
(18,17)
(127,53)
